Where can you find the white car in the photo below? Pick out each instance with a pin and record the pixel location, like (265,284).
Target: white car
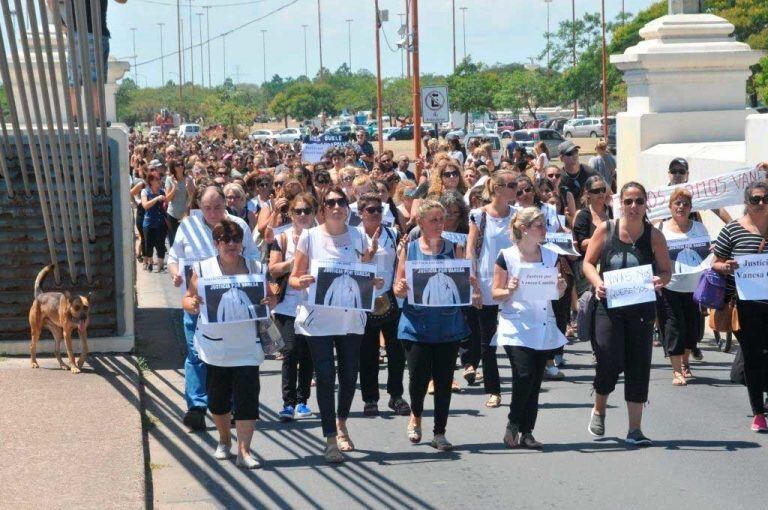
(261,135)
(288,135)
(189,131)
(155,131)
(385,132)
(492,138)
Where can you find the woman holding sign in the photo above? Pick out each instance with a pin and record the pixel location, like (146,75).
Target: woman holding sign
(748,236)
(430,334)
(328,328)
(623,334)
(527,325)
(231,351)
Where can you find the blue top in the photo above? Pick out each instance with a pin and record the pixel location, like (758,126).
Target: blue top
(439,324)
(154,216)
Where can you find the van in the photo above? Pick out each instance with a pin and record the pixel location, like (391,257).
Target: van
(189,131)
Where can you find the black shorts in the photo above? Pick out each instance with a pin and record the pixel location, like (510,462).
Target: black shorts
(233,385)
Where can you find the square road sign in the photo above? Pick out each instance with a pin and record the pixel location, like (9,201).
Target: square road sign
(434,104)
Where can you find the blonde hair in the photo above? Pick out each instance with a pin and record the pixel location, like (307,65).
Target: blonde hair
(404,186)
(236,188)
(427,205)
(524,218)
(489,188)
(436,187)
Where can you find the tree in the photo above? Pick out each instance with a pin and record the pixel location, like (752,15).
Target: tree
(396,98)
(471,88)
(279,107)
(526,88)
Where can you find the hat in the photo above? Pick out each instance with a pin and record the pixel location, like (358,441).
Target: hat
(155,163)
(566,147)
(679,162)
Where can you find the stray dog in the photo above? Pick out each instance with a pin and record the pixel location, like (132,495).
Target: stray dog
(60,313)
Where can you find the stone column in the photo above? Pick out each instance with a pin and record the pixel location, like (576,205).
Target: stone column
(685,7)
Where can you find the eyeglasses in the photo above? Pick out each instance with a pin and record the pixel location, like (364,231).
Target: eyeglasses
(228,239)
(509,185)
(682,203)
(303,211)
(279,184)
(678,171)
(756,199)
(553,176)
(523,190)
(637,201)
(333,202)
(374,209)
(347,179)
(451,174)
(596,191)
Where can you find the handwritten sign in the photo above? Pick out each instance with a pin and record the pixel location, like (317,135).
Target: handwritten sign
(561,243)
(630,286)
(752,277)
(537,284)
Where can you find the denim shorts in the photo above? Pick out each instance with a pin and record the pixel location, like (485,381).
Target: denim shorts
(91,58)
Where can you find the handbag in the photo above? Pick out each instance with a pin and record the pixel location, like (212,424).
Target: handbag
(384,306)
(710,291)
(279,285)
(269,334)
(725,320)
(585,318)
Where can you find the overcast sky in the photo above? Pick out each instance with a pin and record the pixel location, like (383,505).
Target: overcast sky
(496,31)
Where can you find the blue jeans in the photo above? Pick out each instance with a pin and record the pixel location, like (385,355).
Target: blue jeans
(194,370)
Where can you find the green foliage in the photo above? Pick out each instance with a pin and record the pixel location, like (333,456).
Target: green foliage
(525,89)
(471,87)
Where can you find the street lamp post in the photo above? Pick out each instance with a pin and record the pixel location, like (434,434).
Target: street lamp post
(135,68)
(264,53)
(349,42)
(224,55)
(306,72)
(453,30)
(402,47)
(416,85)
(191,48)
(573,49)
(377,28)
(202,62)
(548,2)
(208,40)
(464,28)
(162,55)
(178,38)
(320,37)
(605,74)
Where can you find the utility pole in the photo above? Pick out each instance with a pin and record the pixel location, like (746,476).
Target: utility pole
(202,62)
(135,68)
(573,48)
(416,84)
(407,38)
(380,136)
(349,41)
(402,48)
(178,36)
(623,12)
(464,28)
(264,53)
(191,47)
(320,37)
(162,56)
(183,55)
(453,30)
(208,40)
(224,55)
(605,74)
(548,2)
(306,72)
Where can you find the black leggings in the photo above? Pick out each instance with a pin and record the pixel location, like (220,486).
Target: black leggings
(488,317)
(527,373)
(369,360)
(680,321)
(434,361)
(297,363)
(233,385)
(469,350)
(173,226)
(753,341)
(624,343)
(154,239)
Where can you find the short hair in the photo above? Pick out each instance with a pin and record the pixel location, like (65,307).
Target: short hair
(752,187)
(427,205)
(367,198)
(236,188)
(680,192)
(601,145)
(153,175)
(524,217)
(227,230)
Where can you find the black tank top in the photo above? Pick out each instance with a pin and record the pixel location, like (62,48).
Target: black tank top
(620,255)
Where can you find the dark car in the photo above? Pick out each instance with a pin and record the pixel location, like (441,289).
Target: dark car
(611,138)
(406,133)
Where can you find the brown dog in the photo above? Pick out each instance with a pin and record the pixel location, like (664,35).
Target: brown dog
(60,313)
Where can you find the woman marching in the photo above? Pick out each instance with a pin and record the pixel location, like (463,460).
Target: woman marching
(430,335)
(623,335)
(527,329)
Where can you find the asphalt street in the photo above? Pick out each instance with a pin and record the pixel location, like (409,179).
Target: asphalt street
(704,455)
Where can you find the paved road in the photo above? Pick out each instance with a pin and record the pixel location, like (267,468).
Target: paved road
(704,455)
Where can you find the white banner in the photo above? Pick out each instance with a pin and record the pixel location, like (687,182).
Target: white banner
(560,243)
(537,284)
(752,277)
(229,299)
(710,193)
(629,286)
(313,152)
(439,282)
(347,285)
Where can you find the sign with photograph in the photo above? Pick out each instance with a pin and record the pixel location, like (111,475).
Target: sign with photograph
(752,277)
(560,243)
(439,282)
(230,299)
(689,255)
(629,286)
(347,285)
(537,284)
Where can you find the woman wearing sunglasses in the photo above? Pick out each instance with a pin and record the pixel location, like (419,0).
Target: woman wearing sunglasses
(745,236)
(623,335)
(260,186)
(595,211)
(566,203)
(297,362)
(327,329)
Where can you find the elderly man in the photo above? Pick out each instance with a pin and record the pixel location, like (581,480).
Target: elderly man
(365,149)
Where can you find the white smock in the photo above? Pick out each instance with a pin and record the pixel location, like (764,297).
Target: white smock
(495,238)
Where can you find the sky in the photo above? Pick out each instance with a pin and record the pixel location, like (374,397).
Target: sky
(501,31)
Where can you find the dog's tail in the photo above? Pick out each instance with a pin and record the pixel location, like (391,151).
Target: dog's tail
(40,277)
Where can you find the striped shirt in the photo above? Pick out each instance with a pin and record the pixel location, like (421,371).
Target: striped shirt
(734,240)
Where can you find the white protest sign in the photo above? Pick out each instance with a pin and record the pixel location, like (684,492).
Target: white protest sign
(560,243)
(752,277)
(710,193)
(439,282)
(230,299)
(313,152)
(455,237)
(186,268)
(689,255)
(537,284)
(629,286)
(347,285)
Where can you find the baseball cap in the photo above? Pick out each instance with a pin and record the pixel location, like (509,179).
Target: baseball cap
(678,162)
(566,147)
(155,163)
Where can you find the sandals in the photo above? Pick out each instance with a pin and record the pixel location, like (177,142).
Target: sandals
(493,401)
(455,388)
(469,375)
(511,437)
(528,441)
(687,371)
(333,455)
(678,379)
(414,432)
(344,442)
(440,443)
(431,387)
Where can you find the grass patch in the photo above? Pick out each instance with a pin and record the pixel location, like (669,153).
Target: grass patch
(142,364)
(148,421)
(154,466)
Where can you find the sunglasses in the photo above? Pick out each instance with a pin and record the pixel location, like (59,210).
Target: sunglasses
(523,190)
(509,185)
(451,174)
(347,179)
(333,202)
(756,199)
(374,209)
(571,153)
(596,191)
(263,185)
(303,211)
(678,171)
(322,182)
(637,201)
(278,184)
(227,239)
(553,176)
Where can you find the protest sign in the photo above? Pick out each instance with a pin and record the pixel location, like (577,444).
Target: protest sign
(347,285)
(560,243)
(230,299)
(315,147)
(709,193)
(537,284)
(688,255)
(455,238)
(629,286)
(439,282)
(752,277)
(186,268)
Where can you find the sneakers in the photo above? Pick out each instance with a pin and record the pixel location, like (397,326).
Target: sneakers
(440,443)
(222,451)
(195,418)
(637,438)
(371,409)
(303,411)
(286,413)
(759,424)
(400,406)
(247,462)
(559,360)
(697,354)
(596,424)
(553,373)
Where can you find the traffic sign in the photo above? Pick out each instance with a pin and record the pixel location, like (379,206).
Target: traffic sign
(434,105)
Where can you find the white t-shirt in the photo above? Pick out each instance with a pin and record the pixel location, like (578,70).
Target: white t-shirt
(194,239)
(385,257)
(292,296)
(684,279)
(495,239)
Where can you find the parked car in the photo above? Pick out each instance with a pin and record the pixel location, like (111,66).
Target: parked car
(530,137)
(189,131)
(347,130)
(555,123)
(384,133)
(611,141)
(155,131)
(287,135)
(506,127)
(261,135)
(583,128)
(459,133)
(406,133)
(492,138)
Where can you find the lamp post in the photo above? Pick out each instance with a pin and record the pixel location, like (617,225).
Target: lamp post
(224,55)
(202,62)
(573,49)
(402,48)
(162,56)
(548,2)
(306,72)
(135,68)
(453,30)
(178,37)
(349,41)
(377,28)
(320,37)
(605,73)
(464,28)
(264,53)
(416,85)
(208,40)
